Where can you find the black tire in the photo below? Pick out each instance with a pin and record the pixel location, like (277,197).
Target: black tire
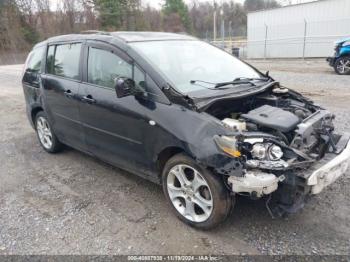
(221,199)
(338,65)
(56,145)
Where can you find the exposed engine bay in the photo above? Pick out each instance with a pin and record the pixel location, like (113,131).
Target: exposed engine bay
(278,125)
(279,133)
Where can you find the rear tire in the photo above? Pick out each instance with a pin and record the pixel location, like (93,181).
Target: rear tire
(342,65)
(46,136)
(197,196)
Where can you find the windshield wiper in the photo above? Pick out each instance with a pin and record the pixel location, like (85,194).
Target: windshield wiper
(236,81)
(252,79)
(222,84)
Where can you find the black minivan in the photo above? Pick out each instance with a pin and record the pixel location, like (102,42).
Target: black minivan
(185,114)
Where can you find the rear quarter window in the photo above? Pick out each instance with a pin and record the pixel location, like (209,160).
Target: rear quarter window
(34,59)
(32,68)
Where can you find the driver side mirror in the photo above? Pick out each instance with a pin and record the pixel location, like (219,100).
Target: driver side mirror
(124,87)
(127,87)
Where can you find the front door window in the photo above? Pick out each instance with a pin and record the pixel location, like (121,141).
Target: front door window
(104,67)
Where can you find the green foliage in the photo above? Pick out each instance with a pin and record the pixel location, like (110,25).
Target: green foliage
(110,13)
(15,31)
(178,7)
(30,35)
(118,14)
(22,24)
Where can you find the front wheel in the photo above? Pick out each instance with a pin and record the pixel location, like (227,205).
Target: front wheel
(342,65)
(197,196)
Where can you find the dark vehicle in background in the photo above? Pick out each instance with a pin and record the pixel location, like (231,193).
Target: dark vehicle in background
(186,115)
(341,59)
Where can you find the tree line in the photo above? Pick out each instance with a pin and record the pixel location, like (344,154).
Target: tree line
(25,22)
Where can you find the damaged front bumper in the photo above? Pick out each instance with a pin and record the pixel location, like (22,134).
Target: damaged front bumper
(330,172)
(258,183)
(331,61)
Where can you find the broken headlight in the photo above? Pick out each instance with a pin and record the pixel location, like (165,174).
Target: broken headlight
(266,151)
(228,145)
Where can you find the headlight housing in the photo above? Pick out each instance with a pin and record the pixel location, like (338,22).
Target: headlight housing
(275,152)
(228,145)
(259,150)
(266,151)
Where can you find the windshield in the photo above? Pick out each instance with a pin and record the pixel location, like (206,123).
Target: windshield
(184,61)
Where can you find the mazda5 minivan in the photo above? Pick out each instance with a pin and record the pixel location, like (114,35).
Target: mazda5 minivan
(186,115)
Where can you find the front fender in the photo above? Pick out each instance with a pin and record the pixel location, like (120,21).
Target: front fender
(345,51)
(192,132)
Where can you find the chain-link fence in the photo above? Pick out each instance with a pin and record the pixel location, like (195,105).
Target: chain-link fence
(233,46)
(299,40)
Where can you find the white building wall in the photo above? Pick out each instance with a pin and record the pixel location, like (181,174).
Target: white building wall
(308,29)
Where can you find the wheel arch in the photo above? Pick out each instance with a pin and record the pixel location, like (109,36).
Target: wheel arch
(165,155)
(34,112)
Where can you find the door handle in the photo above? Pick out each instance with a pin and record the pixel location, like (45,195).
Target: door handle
(68,93)
(88,99)
(36,84)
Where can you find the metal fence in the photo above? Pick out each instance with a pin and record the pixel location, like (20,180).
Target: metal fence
(299,40)
(233,46)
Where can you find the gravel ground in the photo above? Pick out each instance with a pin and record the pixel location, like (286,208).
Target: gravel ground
(70,203)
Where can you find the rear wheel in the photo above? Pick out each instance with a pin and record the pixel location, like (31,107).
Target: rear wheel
(197,196)
(342,65)
(46,136)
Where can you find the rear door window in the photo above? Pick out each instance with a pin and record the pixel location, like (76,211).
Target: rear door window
(63,60)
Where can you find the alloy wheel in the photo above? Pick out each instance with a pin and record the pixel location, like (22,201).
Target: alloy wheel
(190,193)
(343,66)
(44,132)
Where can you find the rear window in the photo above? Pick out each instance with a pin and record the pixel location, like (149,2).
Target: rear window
(63,60)
(34,60)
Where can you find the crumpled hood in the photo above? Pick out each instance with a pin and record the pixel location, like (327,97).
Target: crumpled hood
(205,102)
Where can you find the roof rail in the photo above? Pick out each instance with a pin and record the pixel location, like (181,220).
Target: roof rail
(94,32)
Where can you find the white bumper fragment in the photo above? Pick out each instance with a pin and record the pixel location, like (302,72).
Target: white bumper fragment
(255,182)
(330,172)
